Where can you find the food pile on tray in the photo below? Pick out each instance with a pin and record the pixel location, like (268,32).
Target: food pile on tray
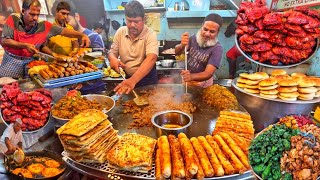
(277,38)
(280,85)
(287,150)
(222,153)
(88,136)
(108,72)
(32,107)
(63,67)
(142,115)
(73,103)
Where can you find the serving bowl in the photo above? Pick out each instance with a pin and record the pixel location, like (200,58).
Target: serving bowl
(102,99)
(171,122)
(167,63)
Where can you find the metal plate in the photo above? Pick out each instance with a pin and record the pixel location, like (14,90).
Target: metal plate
(234,82)
(204,120)
(280,65)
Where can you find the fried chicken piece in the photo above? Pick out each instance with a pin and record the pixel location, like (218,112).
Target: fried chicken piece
(297,18)
(262,34)
(263,46)
(272,18)
(278,38)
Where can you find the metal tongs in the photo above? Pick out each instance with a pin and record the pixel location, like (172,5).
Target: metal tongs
(138,100)
(311,143)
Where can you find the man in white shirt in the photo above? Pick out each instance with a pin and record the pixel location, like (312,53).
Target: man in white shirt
(11,138)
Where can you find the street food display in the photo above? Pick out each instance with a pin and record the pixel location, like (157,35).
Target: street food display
(108,72)
(281,85)
(88,136)
(220,97)
(287,150)
(276,38)
(73,103)
(33,107)
(159,99)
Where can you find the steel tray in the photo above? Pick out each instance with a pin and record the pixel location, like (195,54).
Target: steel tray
(57,80)
(280,65)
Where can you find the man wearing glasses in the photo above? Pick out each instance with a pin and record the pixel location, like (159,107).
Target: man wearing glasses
(137,47)
(205,52)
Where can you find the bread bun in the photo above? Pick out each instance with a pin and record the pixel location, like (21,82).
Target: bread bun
(281,77)
(264,75)
(252,86)
(253,76)
(305,99)
(251,82)
(290,94)
(298,75)
(298,79)
(318,88)
(273,91)
(268,87)
(288,89)
(270,96)
(307,90)
(268,82)
(287,82)
(316,81)
(317,94)
(241,85)
(277,72)
(287,99)
(253,91)
(242,80)
(307,95)
(306,83)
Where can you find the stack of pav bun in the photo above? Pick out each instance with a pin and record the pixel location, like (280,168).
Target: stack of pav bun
(283,86)
(219,154)
(250,82)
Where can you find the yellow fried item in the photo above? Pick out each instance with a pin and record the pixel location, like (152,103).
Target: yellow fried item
(25,172)
(52,163)
(50,172)
(36,168)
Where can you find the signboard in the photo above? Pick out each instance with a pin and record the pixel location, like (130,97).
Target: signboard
(279,5)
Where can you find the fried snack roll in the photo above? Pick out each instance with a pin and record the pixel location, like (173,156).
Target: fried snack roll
(62,69)
(44,74)
(236,149)
(165,157)
(236,163)
(49,72)
(200,174)
(177,160)
(158,164)
(228,168)
(56,70)
(188,154)
(61,64)
(204,160)
(218,169)
(66,73)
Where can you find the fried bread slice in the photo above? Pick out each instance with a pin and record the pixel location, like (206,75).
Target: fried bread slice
(234,113)
(82,123)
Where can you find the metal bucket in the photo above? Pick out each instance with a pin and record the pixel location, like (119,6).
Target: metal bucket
(265,111)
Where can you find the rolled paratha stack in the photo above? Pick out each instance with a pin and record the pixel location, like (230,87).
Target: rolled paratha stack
(88,136)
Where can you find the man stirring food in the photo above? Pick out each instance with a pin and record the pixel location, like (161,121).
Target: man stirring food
(205,52)
(11,138)
(137,46)
(23,36)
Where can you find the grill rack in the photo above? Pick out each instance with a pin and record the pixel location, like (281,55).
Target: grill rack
(114,173)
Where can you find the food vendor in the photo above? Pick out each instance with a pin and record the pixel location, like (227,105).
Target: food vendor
(11,138)
(61,44)
(205,52)
(23,36)
(137,46)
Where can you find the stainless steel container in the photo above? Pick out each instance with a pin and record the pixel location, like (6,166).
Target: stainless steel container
(266,111)
(172,117)
(167,63)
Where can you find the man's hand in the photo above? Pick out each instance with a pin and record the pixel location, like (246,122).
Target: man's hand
(31,48)
(11,149)
(184,39)
(186,75)
(85,41)
(115,64)
(125,87)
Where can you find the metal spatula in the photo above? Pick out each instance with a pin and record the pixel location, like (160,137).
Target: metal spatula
(138,100)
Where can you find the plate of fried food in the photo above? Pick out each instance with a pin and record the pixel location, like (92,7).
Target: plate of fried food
(73,103)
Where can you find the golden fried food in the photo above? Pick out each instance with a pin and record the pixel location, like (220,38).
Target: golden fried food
(36,168)
(25,172)
(50,172)
(220,97)
(69,106)
(165,157)
(52,163)
(178,171)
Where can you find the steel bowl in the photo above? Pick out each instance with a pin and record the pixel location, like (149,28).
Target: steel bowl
(265,112)
(279,65)
(102,99)
(172,117)
(167,62)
